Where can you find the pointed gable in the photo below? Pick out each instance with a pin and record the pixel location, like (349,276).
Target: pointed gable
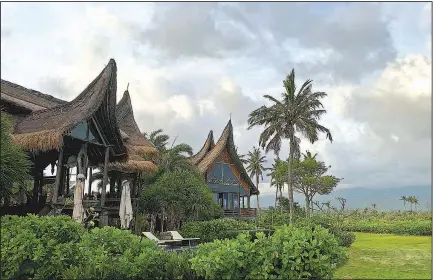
(206,148)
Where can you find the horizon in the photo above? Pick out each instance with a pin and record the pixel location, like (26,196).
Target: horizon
(378,79)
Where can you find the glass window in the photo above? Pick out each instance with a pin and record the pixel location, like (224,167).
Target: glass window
(231,201)
(225,200)
(79,131)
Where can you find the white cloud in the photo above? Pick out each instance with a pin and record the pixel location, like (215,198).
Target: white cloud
(377,109)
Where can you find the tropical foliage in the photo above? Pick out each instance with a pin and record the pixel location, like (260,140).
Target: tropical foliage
(14,163)
(255,167)
(290,253)
(178,195)
(296,112)
(310,178)
(211,230)
(59,248)
(157,138)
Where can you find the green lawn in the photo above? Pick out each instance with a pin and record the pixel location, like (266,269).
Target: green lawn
(387,256)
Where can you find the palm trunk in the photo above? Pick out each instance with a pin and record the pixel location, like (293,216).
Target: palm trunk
(307,206)
(290,189)
(257,196)
(275,201)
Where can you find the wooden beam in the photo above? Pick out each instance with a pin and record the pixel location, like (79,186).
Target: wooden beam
(89,189)
(58,175)
(105,176)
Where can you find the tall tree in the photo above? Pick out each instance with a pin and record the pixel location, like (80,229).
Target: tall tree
(310,178)
(255,166)
(296,112)
(14,163)
(404,199)
(158,138)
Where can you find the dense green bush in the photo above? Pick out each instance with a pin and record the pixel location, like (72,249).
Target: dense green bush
(344,238)
(39,247)
(410,227)
(58,247)
(291,253)
(208,231)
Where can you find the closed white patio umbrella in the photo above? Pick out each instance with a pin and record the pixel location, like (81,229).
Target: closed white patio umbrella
(125,209)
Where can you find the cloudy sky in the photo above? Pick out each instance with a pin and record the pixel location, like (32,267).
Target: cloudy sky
(191,65)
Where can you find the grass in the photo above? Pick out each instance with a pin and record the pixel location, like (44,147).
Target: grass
(387,256)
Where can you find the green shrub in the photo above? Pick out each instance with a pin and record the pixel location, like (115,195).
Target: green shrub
(214,229)
(291,253)
(38,247)
(410,227)
(344,238)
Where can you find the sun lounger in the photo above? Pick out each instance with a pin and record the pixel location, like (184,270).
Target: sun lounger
(149,235)
(177,236)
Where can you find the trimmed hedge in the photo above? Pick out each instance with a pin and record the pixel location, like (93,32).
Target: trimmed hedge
(208,231)
(291,253)
(405,227)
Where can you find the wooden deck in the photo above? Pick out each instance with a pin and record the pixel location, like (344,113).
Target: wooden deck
(244,212)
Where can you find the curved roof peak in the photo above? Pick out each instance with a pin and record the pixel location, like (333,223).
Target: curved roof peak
(206,148)
(128,125)
(97,100)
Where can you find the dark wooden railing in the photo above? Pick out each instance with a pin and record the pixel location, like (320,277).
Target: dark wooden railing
(246,212)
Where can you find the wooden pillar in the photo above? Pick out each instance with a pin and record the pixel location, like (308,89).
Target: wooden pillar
(112,184)
(239,200)
(118,183)
(68,179)
(248,201)
(41,184)
(89,189)
(35,189)
(103,221)
(105,176)
(58,175)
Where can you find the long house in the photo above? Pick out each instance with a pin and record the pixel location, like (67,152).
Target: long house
(85,133)
(225,174)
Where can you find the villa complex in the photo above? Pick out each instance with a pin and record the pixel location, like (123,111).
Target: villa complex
(92,132)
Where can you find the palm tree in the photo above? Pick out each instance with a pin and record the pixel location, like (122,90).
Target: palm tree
(296,112)
(278,174)
(157,138)
(175,158)
(255,166)
(403,198)
(412,200)
(241,156)
(416,202)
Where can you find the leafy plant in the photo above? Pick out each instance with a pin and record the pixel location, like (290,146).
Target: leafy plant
(291,253)
(214,229)
(14,163)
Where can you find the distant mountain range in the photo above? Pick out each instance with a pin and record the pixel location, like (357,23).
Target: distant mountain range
(384,198)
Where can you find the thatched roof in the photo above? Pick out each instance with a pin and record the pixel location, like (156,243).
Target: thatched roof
(29,99)
(137,145)
(134,138)
(225,145)
(134,164)
(43,130)
(206,148)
